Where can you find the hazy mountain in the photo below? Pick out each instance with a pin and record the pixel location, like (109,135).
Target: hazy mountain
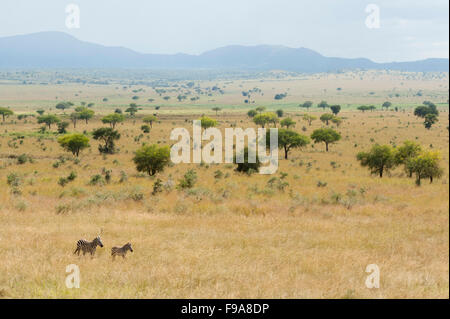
(60,50)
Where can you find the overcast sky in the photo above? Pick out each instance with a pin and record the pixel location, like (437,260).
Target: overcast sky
(409,29)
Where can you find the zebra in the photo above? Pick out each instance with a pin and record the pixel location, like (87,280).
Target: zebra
(88,246)
(121,251)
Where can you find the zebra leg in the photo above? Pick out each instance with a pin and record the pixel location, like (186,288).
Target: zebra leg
(77,251)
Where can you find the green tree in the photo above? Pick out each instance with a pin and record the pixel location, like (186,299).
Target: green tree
(309,118)
(74,143)
(64,105)
(426,165)
(149,119)
(132,110)
(430,119)
(216,109)
(306,104)
(325,135)
(380,159)
(336,120)
(279,113)
(423,110)
(386,105)
(207,122)
(405,153)
(363,108)
(335,109)
(152,158)
(62,127)
(260,109)
(5,112)
(287,122)
(84,113)
(48,120)
(74,117)
(40,111)
(246,166)
(107,135)
(252,113)
(323,105)
(145,128)
(113,119)
(288,139)
(326,118)
(265,118)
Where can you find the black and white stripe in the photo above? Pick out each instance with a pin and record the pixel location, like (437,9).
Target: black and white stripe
(121,251)
(88,246)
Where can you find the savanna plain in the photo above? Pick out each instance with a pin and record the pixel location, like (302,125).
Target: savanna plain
(307,231)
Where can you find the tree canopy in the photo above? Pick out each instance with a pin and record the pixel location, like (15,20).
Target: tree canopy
(108,135)
(325,135)
(48,119)
(5,112)
(380,159)
(113,119)
(74,143)
(151,158)
(288,139)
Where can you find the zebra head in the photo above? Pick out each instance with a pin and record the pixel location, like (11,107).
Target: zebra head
(98,241)
(128,246)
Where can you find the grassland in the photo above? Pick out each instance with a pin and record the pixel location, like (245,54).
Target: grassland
(234,235)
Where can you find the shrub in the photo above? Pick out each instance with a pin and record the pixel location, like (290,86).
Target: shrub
(189,179)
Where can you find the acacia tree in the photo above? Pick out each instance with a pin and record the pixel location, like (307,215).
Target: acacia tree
(149,120)
(426,165)
(245,166)
(48,120)
(252,113)
(216,109)
(265,118)
(325,135)
(336,120)
(287,122)
(363,108)
(5,112)
(309,118)
(326,118)
(380,159)
(63,105)
(132,110)
(279,113)
(151,158)
(406,152)
(260,109)
(108,135)
(306,104)
(74,117)
(323,105)
(74,143)
(288,139)
(335,109)
(386,105)
(84,113)
(430,119)
(113,119)
(207,122)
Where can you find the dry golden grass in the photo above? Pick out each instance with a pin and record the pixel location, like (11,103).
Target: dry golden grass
(232,237)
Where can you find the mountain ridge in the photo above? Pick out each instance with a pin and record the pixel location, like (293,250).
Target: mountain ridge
(61,50)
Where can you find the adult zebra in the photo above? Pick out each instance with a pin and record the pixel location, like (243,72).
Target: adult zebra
(88,246)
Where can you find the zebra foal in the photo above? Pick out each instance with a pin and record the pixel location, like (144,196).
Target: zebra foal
(121,251)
